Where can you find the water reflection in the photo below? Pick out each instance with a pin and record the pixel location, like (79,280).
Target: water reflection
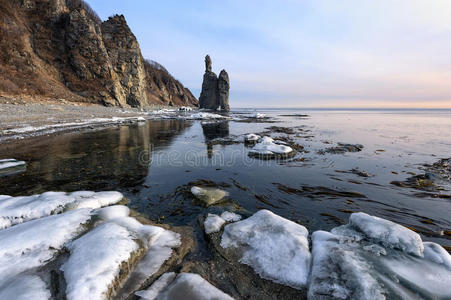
(106,159)
(214,130)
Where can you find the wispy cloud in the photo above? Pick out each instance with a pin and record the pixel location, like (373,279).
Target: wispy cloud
(302,53)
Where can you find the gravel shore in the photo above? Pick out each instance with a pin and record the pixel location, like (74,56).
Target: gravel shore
(24,120)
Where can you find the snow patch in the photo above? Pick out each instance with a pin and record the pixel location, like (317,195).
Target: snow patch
(10,163)
(184,286)
(267,146)
(213,223)
(276,248)
(252,138)
(15,210)
(230,216)
(25,287)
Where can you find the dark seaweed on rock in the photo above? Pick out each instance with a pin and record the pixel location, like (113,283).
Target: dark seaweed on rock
(342,148)
(317,191)
(420,182)
(280,129)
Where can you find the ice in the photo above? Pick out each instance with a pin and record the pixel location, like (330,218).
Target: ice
(95,261)
(113,212)
(436,253)
(15,210)
(267,146)
(152,292)
(346,264)
(140,119)
(25,287)
(230,216)
(205,116)
(208,195)
(213,223)
(387,233)
(10,163)
(276,248)
(34,243)
(184,286)
(257,115)
(252,137)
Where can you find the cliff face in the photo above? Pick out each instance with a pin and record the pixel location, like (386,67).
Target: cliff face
(60,49)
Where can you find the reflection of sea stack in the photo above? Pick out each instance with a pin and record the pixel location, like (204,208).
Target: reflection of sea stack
(215,91)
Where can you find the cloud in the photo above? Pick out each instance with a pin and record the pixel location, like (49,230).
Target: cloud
(299,53)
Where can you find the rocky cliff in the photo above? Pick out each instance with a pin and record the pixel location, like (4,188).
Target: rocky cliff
(215,90)
(60,49)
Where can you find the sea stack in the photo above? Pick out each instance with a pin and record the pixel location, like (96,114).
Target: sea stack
(215,91)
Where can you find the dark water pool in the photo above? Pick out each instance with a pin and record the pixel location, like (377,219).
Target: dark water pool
(154,165)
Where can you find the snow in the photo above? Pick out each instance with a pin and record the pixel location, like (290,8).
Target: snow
(140,119)
(347,264)
(267,146)
(276,248)
(25,287)
(387,233)
(184,286)
(208,195)
(95,260)
(185,108)
(205,116)
(436,253)
(113,212)
(257,115)
(10,163)
(34,243)
(252,137)
(213,223)
(15,210)
(156,288)
(230,216)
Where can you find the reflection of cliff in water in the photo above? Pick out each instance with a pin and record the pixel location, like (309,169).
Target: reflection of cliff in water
(106,159)
(213,131)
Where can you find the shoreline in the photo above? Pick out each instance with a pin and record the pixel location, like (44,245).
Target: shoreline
(19,121)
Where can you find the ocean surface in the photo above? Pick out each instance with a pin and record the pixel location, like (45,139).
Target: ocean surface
(155,163)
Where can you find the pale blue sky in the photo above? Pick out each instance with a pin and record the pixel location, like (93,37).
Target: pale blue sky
(385,53)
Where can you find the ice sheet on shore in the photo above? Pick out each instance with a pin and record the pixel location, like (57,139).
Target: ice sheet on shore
(15,210)
(95,261)
(182,286)
(213,223)
(25,287)
(276,248)
(204,116)
(10,163)
(34,243)
(373,258)
(267,146)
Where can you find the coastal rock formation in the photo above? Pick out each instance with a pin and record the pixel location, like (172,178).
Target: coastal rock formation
(215,90)
(61,50)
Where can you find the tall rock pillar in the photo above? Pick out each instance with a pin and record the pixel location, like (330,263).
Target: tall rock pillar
(215,91)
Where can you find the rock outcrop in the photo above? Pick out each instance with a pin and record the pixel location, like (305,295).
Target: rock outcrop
(215,90)
(60,49)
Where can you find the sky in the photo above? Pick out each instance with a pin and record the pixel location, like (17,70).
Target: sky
(295,53)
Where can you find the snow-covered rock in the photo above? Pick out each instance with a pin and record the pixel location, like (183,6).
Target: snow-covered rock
(387,233)
(251,138)
(183,286)
(25,287)
(266,147)
(15,210)
(276,248)
(208,195)
(185,108)
(95,261)
(373,258)
(10,163)
(213,223)
(257,115)
(34,243)
(205,116)
(230,216)
(140,119)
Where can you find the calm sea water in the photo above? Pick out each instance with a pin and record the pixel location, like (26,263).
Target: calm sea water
(154,165)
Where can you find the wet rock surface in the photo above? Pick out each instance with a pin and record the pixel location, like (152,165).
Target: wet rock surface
(342,148)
